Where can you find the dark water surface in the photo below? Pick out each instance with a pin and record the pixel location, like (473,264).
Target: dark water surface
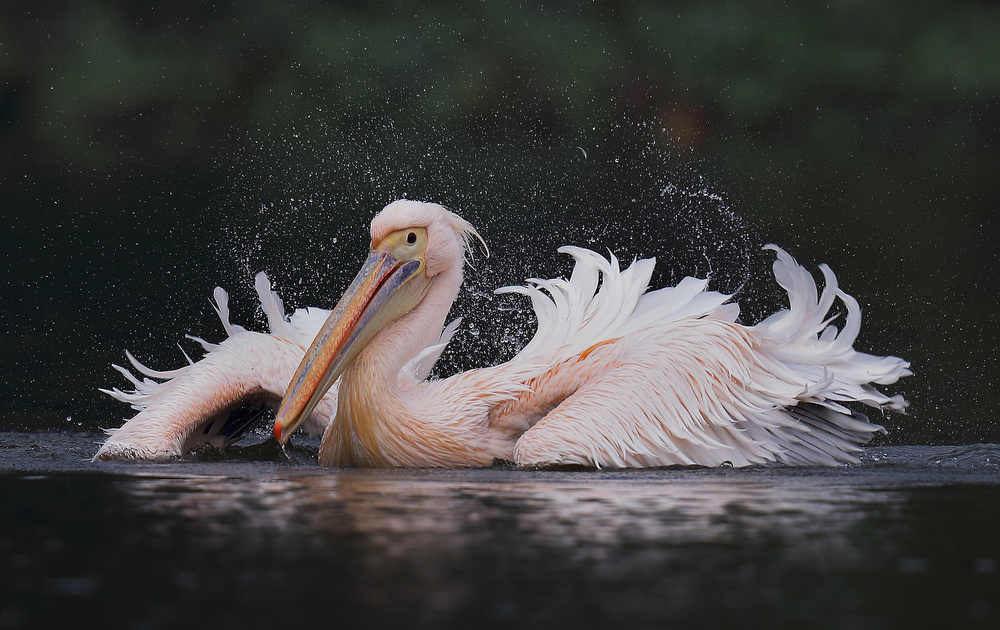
(906,540)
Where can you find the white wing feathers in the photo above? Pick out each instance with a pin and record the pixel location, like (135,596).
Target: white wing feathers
(420,366)
(574,314)
(180,408)
(685,384)
(147,390)
(803,338)
(270,303)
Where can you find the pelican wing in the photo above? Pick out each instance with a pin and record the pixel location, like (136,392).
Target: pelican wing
(203,402)
(683,384)
(574,314)
(183,409)
(575,317)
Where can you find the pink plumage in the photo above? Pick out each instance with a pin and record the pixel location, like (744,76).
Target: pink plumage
(615,376)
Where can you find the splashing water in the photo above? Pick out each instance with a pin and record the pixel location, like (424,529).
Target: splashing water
(301,204)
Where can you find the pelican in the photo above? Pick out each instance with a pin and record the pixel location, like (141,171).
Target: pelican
(615,375)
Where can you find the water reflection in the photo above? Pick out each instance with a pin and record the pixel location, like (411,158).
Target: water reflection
(585,518)
(256,544)
(906,540)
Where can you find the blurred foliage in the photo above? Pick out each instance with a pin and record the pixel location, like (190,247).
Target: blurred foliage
(135,138)
(100,85)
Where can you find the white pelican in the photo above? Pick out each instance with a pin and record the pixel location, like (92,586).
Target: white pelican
(614,376)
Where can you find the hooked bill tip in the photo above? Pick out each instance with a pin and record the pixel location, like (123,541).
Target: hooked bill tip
(277,431)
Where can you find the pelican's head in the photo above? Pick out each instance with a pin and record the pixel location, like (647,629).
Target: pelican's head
(413,243)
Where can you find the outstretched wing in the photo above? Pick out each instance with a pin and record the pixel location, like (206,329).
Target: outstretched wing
(216,399)
(684,384)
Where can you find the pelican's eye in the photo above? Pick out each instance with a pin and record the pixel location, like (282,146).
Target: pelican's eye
(404,244)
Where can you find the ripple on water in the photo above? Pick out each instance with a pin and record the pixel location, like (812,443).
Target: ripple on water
(965,457)
(908,537)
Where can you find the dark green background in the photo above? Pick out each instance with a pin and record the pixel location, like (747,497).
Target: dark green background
(149,154)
